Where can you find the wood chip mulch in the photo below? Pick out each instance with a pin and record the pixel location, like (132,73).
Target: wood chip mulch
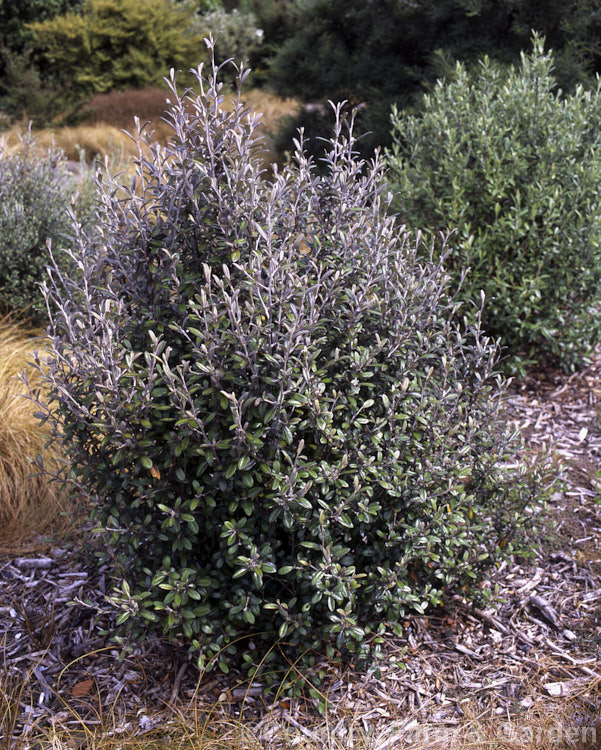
(541,644)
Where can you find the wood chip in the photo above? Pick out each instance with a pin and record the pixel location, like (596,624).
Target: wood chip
(545,608)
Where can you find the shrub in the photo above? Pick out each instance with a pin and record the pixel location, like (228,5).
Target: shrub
(118,44)
(35,193)
(515,169)
(260,390)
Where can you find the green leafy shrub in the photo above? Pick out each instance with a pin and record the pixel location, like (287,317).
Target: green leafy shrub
(35,194)
(515,169)
(262,393)
(118,44)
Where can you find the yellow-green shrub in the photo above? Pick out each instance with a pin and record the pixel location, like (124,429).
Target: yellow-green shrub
(117,44)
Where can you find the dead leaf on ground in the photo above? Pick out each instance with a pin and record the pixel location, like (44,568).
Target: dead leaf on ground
(81,689)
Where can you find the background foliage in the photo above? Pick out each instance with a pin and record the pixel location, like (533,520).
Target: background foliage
(16,15)
(370,54)
(513,170)
(24,89)
(35,192)
(237,35)
(116,44)
(388,51)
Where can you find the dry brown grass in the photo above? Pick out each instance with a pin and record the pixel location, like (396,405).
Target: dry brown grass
(30,504)
(558,728)
(102,135)
(271,107)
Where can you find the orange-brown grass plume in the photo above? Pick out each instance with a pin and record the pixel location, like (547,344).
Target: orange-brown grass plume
(30,504)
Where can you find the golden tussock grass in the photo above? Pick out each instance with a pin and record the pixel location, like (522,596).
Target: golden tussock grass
(31,504)
(102,134)
(271,107)
(87,141)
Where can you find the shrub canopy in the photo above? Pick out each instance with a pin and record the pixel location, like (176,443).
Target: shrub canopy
(262,391)
(513,169)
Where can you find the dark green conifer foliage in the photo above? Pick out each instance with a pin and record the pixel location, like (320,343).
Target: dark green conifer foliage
(386,51)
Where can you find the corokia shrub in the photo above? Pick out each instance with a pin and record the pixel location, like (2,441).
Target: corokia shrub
(261,391)
(514,168)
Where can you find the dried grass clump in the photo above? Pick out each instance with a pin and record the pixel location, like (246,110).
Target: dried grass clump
(102,134)
(562,727)
(30,504)
(117,108)
(87,141)
(179,729)
(271,107)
